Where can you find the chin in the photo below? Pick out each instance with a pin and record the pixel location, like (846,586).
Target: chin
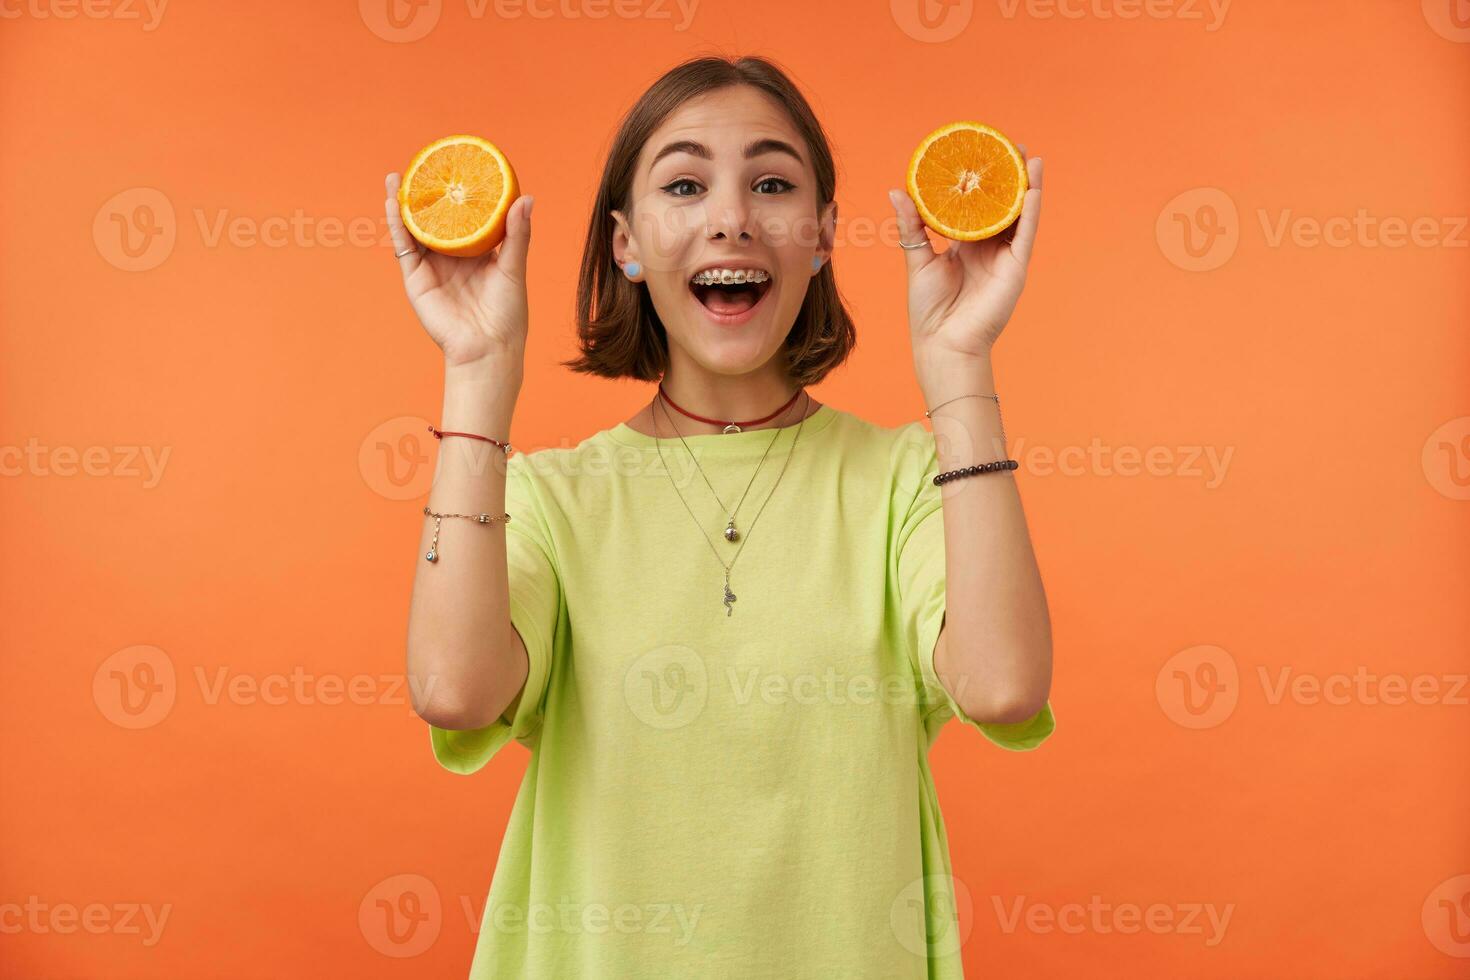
(731,356)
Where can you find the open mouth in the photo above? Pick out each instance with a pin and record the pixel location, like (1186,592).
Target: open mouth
(728,301)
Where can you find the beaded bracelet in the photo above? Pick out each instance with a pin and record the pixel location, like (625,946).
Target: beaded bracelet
(1000,464)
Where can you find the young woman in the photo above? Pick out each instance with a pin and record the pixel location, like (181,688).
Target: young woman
(720,625)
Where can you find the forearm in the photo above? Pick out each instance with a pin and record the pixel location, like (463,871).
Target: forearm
(463,667)
(996,655)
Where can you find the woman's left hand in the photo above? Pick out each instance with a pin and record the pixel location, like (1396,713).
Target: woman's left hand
(960,301)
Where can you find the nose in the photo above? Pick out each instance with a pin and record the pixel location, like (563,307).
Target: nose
(730,217)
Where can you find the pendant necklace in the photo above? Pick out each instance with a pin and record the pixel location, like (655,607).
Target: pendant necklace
(731,532)
(729,596)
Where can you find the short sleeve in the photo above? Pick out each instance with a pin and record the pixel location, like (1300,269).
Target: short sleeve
(535,601)
(921,583)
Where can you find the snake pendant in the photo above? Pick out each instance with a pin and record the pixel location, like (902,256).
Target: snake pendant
(729,598)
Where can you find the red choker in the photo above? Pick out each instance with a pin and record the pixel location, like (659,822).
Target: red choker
(730,426)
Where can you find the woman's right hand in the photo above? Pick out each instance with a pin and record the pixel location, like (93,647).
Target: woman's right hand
(473,307)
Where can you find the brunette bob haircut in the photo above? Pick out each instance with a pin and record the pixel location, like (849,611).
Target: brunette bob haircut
(618,330)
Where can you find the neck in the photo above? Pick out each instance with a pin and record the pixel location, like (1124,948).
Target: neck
(728,399)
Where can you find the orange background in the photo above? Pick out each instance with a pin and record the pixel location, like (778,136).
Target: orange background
(290,383)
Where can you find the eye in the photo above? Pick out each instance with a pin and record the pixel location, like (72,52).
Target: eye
(667,188)
(782,184)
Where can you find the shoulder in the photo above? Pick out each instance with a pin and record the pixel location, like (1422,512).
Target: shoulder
(548,465)
(899,440)
(906,451)
(569,478)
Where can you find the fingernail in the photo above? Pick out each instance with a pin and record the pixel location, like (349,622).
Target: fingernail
(530,203)
(893,198)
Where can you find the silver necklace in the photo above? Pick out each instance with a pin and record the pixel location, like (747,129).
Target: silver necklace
(729,596)
(732,534)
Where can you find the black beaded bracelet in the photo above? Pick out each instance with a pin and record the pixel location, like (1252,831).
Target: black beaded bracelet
(1000,464)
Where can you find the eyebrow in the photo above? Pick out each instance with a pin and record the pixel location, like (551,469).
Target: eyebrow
(752,149)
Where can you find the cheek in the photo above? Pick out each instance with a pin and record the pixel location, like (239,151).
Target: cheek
(809,235)
(667,237)
(791,228)
(796,281)
(670,296)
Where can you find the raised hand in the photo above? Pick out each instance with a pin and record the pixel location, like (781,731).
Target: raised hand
(960,301)
(475,307)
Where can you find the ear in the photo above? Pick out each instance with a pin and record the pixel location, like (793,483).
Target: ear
(623,247)
(827,232)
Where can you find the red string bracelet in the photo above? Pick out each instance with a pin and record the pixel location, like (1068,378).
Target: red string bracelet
(440,434)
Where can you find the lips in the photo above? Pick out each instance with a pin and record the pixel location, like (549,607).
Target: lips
(731,303)
(728,306)
(731,299)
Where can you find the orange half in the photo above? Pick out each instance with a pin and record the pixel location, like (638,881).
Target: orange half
(455,195)
(967,181)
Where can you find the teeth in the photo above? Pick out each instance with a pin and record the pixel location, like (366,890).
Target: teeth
(727,276)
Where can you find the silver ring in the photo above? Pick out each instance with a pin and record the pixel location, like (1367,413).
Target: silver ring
(903,244)
(411,248)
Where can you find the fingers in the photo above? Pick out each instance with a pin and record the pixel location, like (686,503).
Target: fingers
(1024,236)
(911,230)
(402,240)
(513,251)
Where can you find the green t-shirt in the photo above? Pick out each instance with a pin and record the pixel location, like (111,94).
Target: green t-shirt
(726,790)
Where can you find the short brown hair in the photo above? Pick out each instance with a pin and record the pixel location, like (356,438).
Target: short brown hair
(618,329)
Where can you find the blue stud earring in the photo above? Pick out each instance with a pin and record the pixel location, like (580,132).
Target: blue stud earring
(816,262)
(632,269)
